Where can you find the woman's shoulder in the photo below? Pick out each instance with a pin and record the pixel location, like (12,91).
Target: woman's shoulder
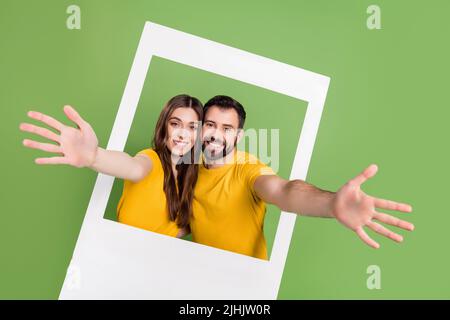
(150,153)
(154,158)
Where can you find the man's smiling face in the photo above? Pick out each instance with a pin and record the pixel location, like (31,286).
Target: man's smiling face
(220,132)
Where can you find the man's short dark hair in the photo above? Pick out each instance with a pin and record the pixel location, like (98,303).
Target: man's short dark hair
(226,102)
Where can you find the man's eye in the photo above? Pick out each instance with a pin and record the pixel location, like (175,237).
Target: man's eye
(209,125)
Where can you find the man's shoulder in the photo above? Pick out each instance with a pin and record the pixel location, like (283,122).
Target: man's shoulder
(243,157)
(249,163)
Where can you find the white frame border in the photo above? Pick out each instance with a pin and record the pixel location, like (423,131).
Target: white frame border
(108,262)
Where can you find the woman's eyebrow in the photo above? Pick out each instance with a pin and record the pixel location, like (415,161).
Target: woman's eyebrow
(175,118)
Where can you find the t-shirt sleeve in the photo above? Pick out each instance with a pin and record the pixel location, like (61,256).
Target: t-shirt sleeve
(152,155)
(253,170)
(148,152)
(256,170)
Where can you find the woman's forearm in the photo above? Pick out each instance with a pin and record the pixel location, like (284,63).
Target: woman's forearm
(118,164)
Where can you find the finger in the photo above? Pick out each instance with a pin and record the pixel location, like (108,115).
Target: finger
(392,205)
(378,228)
(43,132)
(41,146)
(51,160)
(393,221)
(366,174)
(365,237)
(46,119)
(73,115)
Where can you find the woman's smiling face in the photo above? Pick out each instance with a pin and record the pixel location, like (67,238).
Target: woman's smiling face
(182,129)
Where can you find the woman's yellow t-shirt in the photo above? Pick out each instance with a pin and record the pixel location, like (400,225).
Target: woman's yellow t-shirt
(143,204)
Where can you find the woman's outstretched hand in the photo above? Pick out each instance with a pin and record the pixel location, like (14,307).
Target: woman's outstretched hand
(76,146)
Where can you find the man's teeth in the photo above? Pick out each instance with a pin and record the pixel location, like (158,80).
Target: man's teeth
(215,144)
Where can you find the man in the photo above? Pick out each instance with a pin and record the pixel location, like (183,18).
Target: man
(233,188)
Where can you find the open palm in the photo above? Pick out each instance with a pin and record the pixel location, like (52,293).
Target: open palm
(355,210)
(76,146)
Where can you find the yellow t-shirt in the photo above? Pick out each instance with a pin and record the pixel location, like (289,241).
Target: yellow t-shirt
(143,204)
(227,214)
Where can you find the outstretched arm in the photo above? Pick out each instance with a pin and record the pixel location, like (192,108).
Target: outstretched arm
(295,196)
(78,147)
(349,205)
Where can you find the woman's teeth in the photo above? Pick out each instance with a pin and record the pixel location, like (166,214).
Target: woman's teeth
(180,143)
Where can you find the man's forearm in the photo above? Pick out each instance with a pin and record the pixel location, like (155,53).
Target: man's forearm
(307,200)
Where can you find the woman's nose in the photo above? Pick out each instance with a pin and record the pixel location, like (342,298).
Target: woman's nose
(181,134)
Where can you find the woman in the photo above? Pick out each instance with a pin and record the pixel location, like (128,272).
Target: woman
(159,182)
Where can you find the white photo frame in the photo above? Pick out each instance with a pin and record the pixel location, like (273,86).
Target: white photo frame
(112,260)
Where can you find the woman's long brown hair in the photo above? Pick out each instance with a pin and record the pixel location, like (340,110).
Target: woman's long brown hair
(179,202)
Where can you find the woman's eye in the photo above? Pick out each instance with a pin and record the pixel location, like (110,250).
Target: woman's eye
(174,124)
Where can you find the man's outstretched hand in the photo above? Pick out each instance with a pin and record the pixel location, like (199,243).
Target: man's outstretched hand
(75,146)
(355,210)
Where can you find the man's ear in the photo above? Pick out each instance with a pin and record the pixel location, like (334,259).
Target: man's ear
(239,135)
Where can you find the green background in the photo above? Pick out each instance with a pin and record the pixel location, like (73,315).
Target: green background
(387,104)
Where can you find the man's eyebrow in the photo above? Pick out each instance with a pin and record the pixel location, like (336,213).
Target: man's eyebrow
(223,125)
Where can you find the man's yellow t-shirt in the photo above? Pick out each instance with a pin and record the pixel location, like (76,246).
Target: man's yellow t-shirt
(227,214)
(143,204)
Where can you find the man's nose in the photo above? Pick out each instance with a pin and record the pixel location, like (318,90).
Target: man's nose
(216,136)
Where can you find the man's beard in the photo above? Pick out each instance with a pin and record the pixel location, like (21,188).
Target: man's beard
(213,155)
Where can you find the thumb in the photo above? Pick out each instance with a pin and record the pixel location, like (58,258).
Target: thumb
(368,173)
(73,115)
(371,170)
